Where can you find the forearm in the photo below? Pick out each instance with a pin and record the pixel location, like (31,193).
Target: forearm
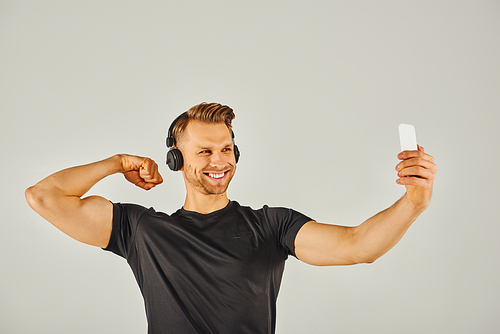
(378,234)
(76,181)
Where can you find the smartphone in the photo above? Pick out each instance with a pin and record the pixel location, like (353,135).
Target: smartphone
(407,137)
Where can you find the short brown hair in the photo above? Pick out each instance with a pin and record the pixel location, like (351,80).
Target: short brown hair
(203,112)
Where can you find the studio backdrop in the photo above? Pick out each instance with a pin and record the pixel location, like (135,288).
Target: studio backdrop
(318,89)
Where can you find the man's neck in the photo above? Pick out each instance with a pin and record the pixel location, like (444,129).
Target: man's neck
(205,203)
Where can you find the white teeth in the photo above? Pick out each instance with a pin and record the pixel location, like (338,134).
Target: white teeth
(216,175)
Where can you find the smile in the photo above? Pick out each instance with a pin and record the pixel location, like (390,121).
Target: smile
(216,175)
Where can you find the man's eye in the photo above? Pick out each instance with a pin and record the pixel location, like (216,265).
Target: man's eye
(205,152)
(227,149)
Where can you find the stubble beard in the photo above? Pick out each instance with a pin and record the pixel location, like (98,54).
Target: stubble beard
(199,182)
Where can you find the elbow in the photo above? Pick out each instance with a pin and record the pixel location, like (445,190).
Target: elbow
(30,196)
(34,197)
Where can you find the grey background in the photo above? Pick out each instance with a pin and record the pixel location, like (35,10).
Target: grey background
(318,88)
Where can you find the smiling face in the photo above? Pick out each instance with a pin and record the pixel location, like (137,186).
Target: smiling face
(209,161)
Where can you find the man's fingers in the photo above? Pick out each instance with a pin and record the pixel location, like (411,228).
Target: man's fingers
(143,172)
(139,181)
(417,167)
(149,172)
(415,181)
(415,154)
(418,171)
(145,185)
(415,162)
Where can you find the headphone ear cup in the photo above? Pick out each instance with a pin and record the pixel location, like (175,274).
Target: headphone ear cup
(236,153)
(174,159)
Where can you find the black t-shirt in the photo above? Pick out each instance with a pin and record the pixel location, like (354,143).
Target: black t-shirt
(207,273)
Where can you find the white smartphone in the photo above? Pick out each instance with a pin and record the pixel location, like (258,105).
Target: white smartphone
(407,137)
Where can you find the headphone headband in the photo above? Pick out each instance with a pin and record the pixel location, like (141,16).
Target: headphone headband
(170,138)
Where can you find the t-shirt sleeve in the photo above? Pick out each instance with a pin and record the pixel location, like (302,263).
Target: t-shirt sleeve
(126,217)
(287,223)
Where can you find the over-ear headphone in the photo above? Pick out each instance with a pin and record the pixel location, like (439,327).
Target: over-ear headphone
(174,156)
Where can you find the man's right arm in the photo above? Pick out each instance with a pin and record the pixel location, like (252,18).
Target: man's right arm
(58,197)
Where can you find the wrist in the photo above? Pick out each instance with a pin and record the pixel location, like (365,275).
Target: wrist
(118,162)
(409,205)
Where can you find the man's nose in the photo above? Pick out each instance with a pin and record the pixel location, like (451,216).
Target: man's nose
(217,160)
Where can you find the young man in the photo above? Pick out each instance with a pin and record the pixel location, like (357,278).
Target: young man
(215,266)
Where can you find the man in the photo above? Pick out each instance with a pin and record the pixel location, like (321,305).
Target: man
(215,266)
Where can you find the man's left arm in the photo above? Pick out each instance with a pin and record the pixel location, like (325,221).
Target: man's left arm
(324,245)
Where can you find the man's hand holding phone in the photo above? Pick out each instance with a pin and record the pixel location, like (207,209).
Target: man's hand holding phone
(417,169)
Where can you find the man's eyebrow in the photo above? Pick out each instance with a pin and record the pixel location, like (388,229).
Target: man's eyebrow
(209,147)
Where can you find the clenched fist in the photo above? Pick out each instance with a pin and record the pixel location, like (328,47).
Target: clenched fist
(143,172)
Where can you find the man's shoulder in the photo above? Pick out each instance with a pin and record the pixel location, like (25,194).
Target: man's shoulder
(137,211)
